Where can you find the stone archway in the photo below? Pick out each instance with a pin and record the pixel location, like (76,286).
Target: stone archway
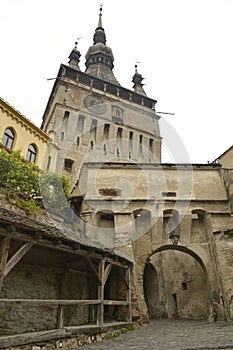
(176,284)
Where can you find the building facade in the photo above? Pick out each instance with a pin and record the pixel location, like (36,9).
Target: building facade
(17,133)
(175,220)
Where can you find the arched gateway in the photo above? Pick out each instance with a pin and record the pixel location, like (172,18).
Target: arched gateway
(176,284)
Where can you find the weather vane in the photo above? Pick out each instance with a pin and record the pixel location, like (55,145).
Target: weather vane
(76,42)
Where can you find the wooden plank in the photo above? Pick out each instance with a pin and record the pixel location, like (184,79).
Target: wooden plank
(6,342)
(17,257)
(4,256)
(100,308)
(116,302)
(50,302)
(107,272)
(15,340)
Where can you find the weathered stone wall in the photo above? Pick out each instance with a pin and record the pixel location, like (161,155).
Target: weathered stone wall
(18,318)
(224,249)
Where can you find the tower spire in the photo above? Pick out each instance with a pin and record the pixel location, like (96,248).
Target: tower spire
(99,36)
(99,57)
(100,17)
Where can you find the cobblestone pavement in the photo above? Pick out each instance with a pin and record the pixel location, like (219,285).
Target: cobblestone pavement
(172,334)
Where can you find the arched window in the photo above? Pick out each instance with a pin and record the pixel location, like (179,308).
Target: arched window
(8,138)
(31,155)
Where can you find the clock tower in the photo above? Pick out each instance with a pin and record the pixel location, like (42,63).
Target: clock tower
(94,118)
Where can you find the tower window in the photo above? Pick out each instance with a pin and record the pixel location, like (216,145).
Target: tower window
(106,131)
(151,143)
(94,127)
(117,114)
(78,141)
(140,145)
(8,138)
(119,133)
(31,154)
(62,135)
(66,116)
(130,142)
(68,165)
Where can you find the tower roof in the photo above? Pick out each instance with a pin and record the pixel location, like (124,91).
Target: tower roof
(137,80)
(74,57)
(99,57)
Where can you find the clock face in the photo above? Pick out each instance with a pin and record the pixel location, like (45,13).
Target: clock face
(94,104)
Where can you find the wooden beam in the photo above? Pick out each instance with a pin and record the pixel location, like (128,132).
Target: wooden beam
(128,295)
(117,263)
(47,302)
(4,256)
(116,302)
(17,257)
(107,272)
(8,341)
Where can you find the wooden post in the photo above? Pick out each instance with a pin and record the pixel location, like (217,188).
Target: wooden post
(128,295)
(100,309)
(60,310)
(4,256)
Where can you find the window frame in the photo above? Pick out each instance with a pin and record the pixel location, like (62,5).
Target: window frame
(6,138)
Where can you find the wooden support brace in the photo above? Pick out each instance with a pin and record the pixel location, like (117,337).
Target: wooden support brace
(93,269)
(17,257)
(124,278)
(107,272)
(4,256)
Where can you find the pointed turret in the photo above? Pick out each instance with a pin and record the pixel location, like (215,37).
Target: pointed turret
(74,57)
(99,57)
(137,80)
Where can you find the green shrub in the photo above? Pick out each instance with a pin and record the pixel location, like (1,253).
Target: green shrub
(24,183)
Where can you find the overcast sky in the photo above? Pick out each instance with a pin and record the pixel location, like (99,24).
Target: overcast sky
(184,46)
